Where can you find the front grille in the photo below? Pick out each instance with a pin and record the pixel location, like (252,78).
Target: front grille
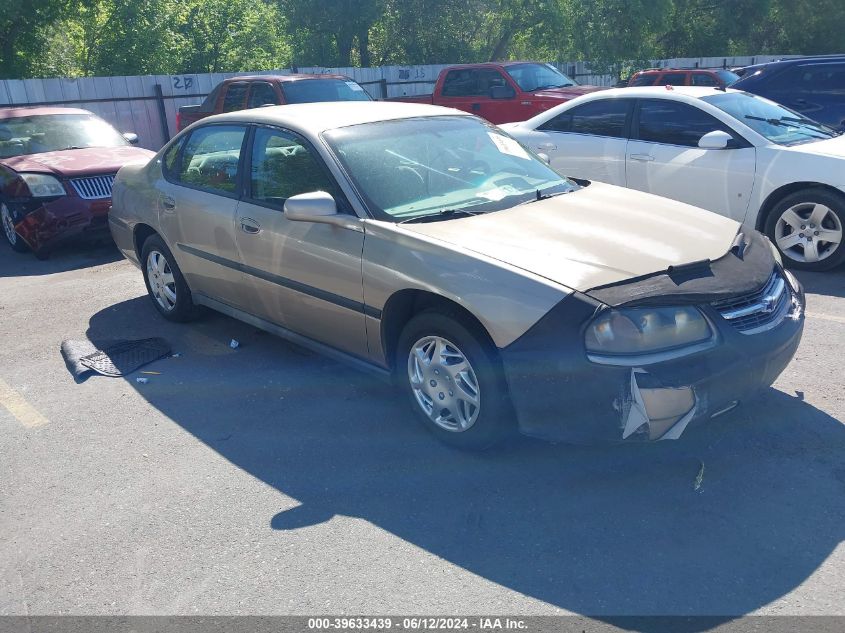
(760,310)
(93,187)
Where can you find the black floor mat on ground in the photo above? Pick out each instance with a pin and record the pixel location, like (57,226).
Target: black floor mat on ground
(111,358)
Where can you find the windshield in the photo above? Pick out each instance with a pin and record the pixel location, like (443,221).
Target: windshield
(429,165)
(778,124)
(314,90)
(51,132)
(531,77)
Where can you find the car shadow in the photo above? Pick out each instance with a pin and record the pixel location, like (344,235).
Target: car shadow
(729,518)
(831,283)
(65,258)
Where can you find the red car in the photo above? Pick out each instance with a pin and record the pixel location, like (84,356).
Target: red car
(718,78)
(502,92)
(239,93)
(57,166)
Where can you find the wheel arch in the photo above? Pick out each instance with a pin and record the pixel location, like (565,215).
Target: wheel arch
(140,234)
(781,192)
(403,305)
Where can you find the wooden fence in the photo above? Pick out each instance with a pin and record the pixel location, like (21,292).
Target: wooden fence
(147,105)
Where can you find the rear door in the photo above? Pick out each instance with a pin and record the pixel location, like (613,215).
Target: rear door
(588,141)
(197,201)
(303,276)
(664,158)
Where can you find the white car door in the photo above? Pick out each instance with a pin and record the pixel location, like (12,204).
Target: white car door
(664,158)
(587,141)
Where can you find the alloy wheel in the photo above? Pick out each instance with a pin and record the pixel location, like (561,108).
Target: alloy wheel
(161,280)
(444,383)
(808,232)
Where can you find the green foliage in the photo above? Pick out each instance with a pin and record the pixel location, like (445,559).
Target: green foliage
(114,37)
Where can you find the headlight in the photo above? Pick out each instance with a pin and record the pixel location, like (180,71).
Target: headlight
(625,336)
(43,186)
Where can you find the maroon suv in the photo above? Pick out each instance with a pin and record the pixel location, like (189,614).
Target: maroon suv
(57,166)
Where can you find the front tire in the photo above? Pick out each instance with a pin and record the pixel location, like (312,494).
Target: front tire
(807,227)
(8,220)
(165,283)
(453,381)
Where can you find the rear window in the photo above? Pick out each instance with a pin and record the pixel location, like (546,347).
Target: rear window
(235,96)
(315,90)
(645,79)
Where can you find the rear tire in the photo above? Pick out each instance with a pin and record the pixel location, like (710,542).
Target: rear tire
(165,283)
(798,224)
(8,219)
(453,381)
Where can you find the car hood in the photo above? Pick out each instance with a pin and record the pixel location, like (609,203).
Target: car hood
(597,235)
(79,162)
(567,93)
(829,147)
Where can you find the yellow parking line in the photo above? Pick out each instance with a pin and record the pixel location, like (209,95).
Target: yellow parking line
(826,317)
(17,405)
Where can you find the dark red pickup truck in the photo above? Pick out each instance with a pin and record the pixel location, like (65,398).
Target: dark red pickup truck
(502,92)
(239,93)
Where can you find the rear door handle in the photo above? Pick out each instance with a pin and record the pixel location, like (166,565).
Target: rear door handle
(641,157)
(248,225)
(168,203)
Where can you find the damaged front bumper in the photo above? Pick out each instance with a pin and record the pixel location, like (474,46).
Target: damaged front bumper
(42,224)
(560,395)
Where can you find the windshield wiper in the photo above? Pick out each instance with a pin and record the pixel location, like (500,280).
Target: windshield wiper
(445,214)
(552,86)
(791,122)
(545,194)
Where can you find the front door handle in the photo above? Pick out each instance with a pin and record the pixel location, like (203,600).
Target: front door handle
(248,225)
(641,157)
(476,107)
(168,203)
(547,146)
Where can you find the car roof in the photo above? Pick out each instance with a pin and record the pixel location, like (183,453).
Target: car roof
(13,112)
(284,78)
(779,63)
(657,92)
(649,71)
(315,118)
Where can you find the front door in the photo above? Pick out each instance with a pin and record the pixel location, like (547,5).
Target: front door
(303,276)
(664,159)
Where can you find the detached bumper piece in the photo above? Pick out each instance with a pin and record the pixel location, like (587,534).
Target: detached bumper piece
(43,224)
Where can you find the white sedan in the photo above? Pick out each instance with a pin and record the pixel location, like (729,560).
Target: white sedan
(727,151)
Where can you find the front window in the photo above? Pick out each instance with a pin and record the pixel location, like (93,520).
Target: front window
(533,77)
(53,132)
(315,90)
(436,166)
(777,124)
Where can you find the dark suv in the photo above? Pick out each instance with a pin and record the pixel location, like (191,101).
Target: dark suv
(813,86)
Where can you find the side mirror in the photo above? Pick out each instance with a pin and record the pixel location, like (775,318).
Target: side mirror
(716,139)
(131,137)
(544,157)
(319,207)
(502,92)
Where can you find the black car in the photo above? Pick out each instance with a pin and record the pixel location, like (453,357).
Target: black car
(813,86)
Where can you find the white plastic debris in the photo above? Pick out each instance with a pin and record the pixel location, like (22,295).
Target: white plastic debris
(234,344)
(143,381)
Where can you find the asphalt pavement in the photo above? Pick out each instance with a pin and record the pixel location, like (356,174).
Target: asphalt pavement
(269,480)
